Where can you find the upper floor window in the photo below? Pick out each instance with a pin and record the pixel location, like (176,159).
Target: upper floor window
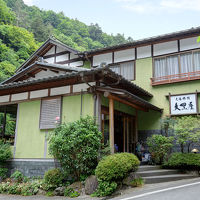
(174,68)
(126,69)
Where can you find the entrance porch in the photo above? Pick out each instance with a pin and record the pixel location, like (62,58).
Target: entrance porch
(119,126)
(125,134)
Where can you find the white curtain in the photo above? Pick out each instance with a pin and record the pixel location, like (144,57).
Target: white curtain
(116,69)
(160,68)
(127,70)
(186,63)
(196,61)
(172,65)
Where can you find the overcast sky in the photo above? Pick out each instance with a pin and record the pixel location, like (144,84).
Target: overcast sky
(135,18)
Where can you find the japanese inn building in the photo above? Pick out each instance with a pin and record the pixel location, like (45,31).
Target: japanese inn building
(128,88)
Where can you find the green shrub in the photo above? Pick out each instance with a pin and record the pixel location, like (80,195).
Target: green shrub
(69,192)
(105,188)
(116,167)
(17,176)
(187,131)
(50,194)
(3,172)
(159,147)
(53,178)
(137,182)
(25,189)
(5,151)
(183,161)
(76,145)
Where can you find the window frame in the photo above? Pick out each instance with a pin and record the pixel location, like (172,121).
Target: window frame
(179,65)
(119,63)
(61,105)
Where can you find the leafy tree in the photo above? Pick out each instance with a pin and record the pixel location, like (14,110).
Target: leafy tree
(5,152)
(187,131)
(6,15)
(39,29)
(95,31)
(76,145)
(44,23)
(159,147)
(17,38)
(6,70)
(50,17)
(167,123)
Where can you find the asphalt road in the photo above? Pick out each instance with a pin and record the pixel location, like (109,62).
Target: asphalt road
(180,190)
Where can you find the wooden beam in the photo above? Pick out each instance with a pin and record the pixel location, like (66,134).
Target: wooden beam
(56,54)
(106,94)
(111,125)
(55,71)
(30,75)
(69,61)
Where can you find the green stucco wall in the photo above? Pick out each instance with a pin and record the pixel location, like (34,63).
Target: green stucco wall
(119,106)
(30,139)
(150,121)
(71,109)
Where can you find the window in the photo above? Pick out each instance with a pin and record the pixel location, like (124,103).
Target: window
(125,69)
(50,113)
(180,66)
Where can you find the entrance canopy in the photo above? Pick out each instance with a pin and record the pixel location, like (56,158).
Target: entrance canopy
(126,97)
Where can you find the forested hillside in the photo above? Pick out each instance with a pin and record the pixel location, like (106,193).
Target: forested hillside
(71,31)
(16,43)
(23,28)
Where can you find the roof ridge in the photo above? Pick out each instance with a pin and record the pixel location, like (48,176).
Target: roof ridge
(147,39)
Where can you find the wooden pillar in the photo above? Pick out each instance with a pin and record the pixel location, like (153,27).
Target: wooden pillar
(136,126)
(111,125)
(4,122)
(124,134)
(99,112)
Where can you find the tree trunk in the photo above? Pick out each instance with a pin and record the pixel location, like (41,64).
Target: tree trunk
(189,147)
(182,148)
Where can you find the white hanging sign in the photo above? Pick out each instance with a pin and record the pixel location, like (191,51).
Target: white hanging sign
(183,104)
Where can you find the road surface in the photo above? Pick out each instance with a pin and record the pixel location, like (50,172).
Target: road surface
(177,190)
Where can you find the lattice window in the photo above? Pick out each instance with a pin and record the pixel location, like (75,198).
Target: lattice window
(50,113)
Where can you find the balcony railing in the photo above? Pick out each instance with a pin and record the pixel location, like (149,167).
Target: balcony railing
(175,78)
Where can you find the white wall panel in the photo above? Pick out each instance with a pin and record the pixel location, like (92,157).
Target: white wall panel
(165,48)
(189,43)
(76,64)
(60,90)
(4,98)
(19,96)
(45,74)
(51,51)
(98,59)
(124,55)
(59,49)
(49,60)
(83,87)
(72,56)
(144,52)
(62,58)
(39,93)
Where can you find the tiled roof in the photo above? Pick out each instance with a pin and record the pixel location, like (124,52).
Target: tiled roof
(84,72)
(46,65)
(149,40)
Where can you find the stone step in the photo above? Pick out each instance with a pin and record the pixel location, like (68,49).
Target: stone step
(157,172)
(148,168)
(167,178)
